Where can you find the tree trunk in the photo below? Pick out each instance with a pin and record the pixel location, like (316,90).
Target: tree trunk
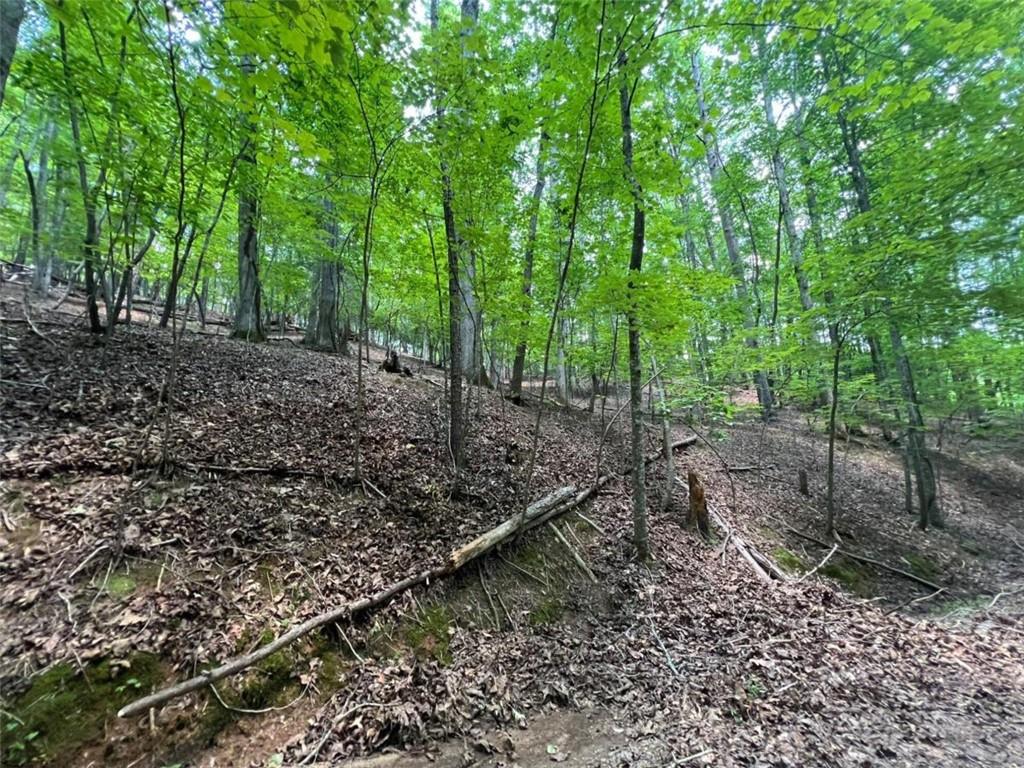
(248,312)
(11,14)
(323,333)
(456,440)
(204,302)
(716,170)
(34,211)
(830,515)
(641,536)
(793,239)
(516,387)
(92,231)
(40,255)
(924,470)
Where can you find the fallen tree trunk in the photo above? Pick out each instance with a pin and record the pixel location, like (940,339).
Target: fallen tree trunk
(554,504)
(745,550)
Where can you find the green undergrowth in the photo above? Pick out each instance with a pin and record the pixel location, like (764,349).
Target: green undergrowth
(531,584)
(66,710)
(66,707)
(788,561)
(850,575)
(428,633)
(923,566)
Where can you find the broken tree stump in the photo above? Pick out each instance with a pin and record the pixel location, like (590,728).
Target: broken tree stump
(698,514)
(392,364)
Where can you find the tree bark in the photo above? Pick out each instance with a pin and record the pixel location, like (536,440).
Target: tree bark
(641,535)
(472,316)
(41,256)
(323,332)
(456,440)
(518,365)
(34,212)
(11,14)
(248,323)
(90,244)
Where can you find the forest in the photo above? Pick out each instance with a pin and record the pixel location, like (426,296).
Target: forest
(508,382)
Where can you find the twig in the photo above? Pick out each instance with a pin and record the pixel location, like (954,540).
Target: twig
(819,565)
(487,592)
(85,562)
(870,561)
(1008,593)
(35,330)
(573,553)
(691,758)
(523,571)
(915,601)
(348,642)
(508,614)
(591,523)
(264,710)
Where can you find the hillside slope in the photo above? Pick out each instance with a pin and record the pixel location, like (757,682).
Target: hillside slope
(128,578)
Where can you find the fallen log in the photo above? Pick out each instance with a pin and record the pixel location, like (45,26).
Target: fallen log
(537,512)
(554,504)
(870,561)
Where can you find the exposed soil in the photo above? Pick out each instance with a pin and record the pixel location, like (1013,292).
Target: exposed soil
(127,541)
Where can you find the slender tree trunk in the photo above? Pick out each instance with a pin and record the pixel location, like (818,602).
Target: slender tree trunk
(34,211)
(924,470)
(519,363)
(456,439)
(248,323)
(641,536)
(793,239)
(561,373)
(21,136)
(90,244)
(716,170)
(920,461)
(40,255)
(830,493)
(11,14)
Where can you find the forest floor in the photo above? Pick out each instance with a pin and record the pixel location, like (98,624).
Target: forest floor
(117,579)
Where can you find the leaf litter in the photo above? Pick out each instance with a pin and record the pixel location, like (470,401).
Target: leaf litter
(691,657)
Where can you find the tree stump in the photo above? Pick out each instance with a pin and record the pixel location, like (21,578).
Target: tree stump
(392,364)
(698,514)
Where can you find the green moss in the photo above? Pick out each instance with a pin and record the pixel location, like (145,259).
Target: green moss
(332,670)
(531,557)
(788,560)
(65,708)
(849,575)
(923,566)
(547,611)
(428,634)
(120,585)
